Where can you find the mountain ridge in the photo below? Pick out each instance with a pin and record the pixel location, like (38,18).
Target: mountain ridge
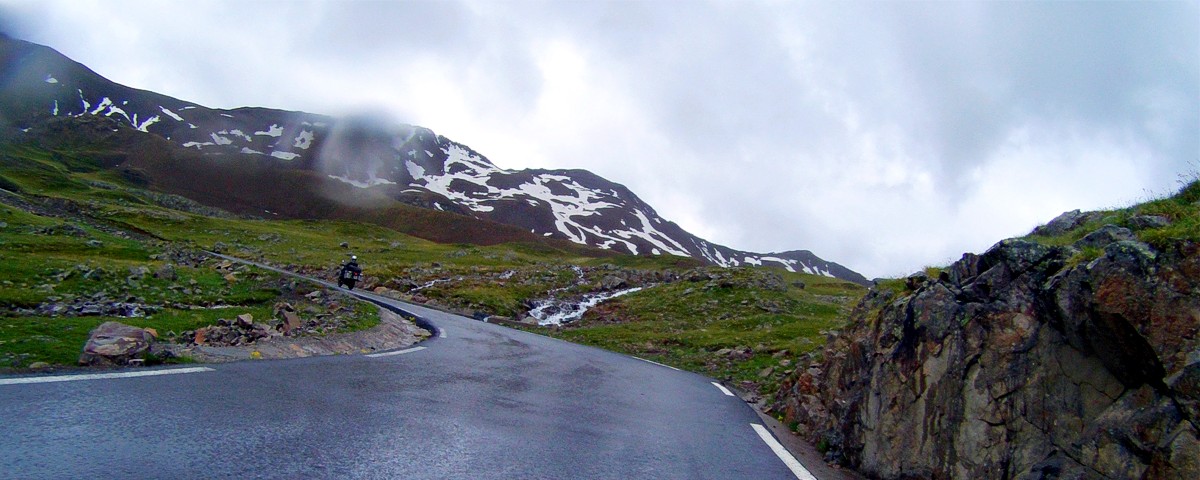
(408,163)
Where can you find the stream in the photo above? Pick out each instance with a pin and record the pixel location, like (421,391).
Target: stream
(558,312)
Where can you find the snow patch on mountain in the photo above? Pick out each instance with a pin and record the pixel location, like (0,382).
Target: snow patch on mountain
(236,133)
(441,184)
(415,171)
(371,182)
(274,131)
(51,79)
(219,140)
(146,124)
(304,140)
(171,114)
(285,155)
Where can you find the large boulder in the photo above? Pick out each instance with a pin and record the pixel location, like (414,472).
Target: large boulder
(1023,362)
(114,343)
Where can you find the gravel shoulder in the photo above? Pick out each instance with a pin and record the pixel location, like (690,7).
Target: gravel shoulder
(393,332)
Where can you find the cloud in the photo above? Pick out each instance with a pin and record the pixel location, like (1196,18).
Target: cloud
(882,135)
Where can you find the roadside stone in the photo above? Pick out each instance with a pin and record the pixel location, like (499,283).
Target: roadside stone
(39,366)
(291,322)
(245,320)
(114,343)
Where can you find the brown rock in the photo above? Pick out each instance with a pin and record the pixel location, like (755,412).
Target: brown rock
(245,320)
(114,343)
(291,322)
(1016,365)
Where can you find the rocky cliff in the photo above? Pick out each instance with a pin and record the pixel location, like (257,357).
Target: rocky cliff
(1058,360)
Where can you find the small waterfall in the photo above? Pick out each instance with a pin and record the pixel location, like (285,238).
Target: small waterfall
(558,312)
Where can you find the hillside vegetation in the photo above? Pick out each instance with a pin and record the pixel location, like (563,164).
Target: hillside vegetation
(86,238)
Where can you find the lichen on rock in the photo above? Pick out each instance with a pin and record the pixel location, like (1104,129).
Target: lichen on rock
(1017,364)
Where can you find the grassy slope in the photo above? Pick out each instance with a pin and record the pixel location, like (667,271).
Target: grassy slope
(732,329)
(684,324)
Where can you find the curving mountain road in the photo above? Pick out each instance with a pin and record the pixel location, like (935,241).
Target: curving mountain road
(478,401)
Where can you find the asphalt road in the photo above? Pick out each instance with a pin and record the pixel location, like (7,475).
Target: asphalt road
(479,401)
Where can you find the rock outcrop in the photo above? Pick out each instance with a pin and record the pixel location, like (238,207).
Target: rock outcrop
(1028,361)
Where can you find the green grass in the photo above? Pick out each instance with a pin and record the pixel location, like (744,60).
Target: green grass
(1181,209)
(45,259)
(693,325)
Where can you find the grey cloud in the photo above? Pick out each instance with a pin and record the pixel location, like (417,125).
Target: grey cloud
(884,135)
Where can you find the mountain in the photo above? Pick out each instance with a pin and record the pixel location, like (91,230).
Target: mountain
(406,163)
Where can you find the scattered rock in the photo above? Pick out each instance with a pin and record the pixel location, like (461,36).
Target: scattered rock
(291,322)
(1104,236)
(612,282)
(244,320)
(138,272)
(1065,222)
(916,280)
(1143,222)
(114,343)
(167,272)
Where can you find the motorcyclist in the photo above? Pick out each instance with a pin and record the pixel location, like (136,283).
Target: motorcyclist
(350,273)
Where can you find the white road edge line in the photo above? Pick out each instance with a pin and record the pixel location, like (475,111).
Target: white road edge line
(397,352)
(659,364)
(791,462)
(100,376)
(723,389)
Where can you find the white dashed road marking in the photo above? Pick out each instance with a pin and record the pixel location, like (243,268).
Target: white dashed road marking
(100,376)
(397,352)
(659,364)
(723,389)
(791,462)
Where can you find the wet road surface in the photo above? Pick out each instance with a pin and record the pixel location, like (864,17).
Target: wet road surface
(479,401)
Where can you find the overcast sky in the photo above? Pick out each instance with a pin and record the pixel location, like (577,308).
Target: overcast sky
(883,136)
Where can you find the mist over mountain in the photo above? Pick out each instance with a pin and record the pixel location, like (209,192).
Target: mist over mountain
(407,163)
